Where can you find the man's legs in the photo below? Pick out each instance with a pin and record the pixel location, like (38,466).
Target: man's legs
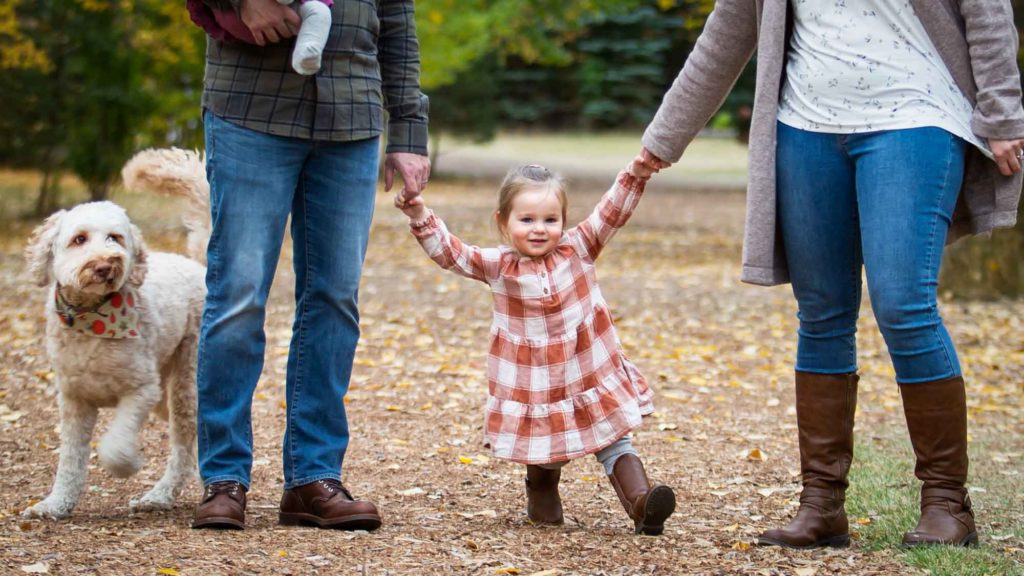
(252,182)
(331,218)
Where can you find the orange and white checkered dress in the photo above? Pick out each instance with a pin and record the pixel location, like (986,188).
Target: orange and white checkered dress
(560,386)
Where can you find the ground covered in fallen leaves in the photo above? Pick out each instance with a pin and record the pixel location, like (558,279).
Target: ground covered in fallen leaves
(717,352)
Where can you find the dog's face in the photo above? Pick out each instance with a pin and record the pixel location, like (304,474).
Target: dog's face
(93,249)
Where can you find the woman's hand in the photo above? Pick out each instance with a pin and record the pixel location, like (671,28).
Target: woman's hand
(412,207)
(1008,155)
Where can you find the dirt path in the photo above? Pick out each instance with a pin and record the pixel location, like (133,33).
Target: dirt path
(717,352)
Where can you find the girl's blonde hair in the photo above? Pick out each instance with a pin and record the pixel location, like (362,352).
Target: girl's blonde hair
(528,177)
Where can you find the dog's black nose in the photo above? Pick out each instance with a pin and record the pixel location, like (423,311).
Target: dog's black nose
(102,269)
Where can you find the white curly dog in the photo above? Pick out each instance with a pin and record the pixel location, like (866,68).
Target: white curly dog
(122,326)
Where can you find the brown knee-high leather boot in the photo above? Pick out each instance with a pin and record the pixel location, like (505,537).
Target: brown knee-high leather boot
(648,506)
(825,407)
(937,421)
(543,504)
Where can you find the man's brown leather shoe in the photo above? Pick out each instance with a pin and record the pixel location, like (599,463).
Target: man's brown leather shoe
(223,506)
(327,504)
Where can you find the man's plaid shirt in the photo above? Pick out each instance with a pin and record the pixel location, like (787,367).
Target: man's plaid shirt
(371,61)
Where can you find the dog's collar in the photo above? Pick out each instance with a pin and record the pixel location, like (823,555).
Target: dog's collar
(115,317)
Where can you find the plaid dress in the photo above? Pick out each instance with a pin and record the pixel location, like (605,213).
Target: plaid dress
(559,385)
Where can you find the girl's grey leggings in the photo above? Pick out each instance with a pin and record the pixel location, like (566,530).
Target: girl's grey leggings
(606,456)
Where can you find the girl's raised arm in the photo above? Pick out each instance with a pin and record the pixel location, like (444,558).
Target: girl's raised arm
(452,254)
(611,213)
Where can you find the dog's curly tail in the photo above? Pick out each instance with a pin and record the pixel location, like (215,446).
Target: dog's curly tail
(176,172)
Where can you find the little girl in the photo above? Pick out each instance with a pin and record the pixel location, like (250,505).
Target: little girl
(221,22)
(559,385)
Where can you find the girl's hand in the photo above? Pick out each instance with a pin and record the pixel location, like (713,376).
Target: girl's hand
(1008,155)
(639,169)
(414,207)
(647,164)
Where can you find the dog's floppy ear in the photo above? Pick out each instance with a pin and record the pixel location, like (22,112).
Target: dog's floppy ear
(39,252)
(139,257)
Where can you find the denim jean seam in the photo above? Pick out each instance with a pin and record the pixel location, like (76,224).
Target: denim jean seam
(204,433)
(297,384)
(858,265)
(931,251)
(313,478)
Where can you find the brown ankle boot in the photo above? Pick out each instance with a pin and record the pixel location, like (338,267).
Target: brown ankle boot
(937,421)
(825,407)
(648,506)
(543,505)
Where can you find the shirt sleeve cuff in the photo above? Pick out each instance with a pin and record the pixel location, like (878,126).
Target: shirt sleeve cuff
(424,226)
(407,136)
(629,182)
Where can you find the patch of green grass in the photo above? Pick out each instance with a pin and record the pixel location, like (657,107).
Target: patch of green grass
(883,504)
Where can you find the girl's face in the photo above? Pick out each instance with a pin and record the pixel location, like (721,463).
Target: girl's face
(534,224)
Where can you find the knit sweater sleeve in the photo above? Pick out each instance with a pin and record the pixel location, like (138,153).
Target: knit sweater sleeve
(992,42)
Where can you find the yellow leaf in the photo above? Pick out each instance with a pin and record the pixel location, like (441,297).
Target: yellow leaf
(261,396)
(863,521)
(282,553)
(282,404)
(755,454)
(508,570)
(168,571)
(393,408)
(465,459)
(741,546)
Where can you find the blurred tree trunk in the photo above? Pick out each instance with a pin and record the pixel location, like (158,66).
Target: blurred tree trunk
(49,193)
(986,266)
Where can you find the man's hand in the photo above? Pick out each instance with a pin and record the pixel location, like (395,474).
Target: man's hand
(1008,155)
(414,169)
(269,21)
(413,207)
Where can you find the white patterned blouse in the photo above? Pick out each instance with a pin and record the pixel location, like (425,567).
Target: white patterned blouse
(868,65)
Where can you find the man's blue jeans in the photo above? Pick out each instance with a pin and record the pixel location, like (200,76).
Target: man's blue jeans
(884,201)
(256,181)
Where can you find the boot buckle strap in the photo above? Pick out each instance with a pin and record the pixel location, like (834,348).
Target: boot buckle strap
(820,493)
(939,495)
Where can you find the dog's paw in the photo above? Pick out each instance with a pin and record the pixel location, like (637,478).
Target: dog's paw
(121,461)
(152,501)
(50,509)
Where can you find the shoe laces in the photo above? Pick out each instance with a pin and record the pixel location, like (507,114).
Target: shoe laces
(334,487)
(228,487)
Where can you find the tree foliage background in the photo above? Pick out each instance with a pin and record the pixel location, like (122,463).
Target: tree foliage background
(93,80)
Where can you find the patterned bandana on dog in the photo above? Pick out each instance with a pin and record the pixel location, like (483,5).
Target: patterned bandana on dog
(114,317)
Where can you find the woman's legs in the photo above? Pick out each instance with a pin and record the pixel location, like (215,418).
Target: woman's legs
(817,208)
(885,199)
(903,238)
